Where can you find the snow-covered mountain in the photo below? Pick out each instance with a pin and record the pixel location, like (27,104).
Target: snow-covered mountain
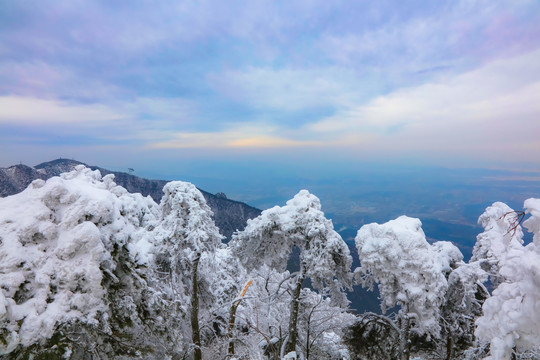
(229,215)
(90,270)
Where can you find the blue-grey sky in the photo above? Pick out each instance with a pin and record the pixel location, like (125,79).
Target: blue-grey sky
(158,84)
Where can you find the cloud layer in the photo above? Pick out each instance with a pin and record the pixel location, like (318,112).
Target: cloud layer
(440,79)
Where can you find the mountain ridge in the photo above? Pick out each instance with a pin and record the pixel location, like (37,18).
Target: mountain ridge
(229,215)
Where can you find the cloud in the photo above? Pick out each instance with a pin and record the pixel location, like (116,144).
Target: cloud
(492,110)
(291,89)
(171,112)
(75,29)
(452,38)
(235,137)
(53,122)
(24,110)
(474,112)
(271,74)
(40,79)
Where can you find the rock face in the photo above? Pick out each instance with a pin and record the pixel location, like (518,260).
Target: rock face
(16,178)
(229,215)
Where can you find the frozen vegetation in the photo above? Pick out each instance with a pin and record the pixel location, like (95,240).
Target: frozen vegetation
(89,270)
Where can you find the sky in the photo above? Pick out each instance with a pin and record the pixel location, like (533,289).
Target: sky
(200,88)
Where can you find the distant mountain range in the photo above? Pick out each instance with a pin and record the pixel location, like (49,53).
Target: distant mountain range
(229,215)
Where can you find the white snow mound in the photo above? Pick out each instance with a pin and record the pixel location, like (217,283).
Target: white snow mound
(56,239)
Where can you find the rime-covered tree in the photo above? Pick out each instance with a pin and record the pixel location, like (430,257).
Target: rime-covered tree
(463,305)
(220,280)
(324,257)
(321,326)
(372,336)
(511,316)
(501,233)
(75,273)
(264,323)
(409,272)
(185,233)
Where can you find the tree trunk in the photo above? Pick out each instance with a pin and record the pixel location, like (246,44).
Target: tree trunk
(449,347)
(196,334)
(293,319)
(232,319)
(404,347)
(307,341)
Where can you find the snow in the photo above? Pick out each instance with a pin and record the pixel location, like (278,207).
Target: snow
(492,244)
(408,270)
(290,356)
(270,238)
(532,224)
(56,237)
(82,257)
(511,316)
(79,252)
(187,219)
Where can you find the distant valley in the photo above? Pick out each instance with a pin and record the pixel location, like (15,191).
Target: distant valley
(448,201)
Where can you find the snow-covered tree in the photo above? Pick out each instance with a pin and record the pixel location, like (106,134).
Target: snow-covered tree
(409,273)
(324,257)
(372,336)
(186,232)
(321,326)
(511,316)
(463,305)
(501,233)
(222,277)
(75,279)
(261,314)
(264,323)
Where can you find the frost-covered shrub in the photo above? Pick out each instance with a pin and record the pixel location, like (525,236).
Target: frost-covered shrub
(75,278)
(187,255)
(262,316)
(372,336)
(511,316)
(321,325)
(221,278)
(270,238)
(500,234)
(463,305)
